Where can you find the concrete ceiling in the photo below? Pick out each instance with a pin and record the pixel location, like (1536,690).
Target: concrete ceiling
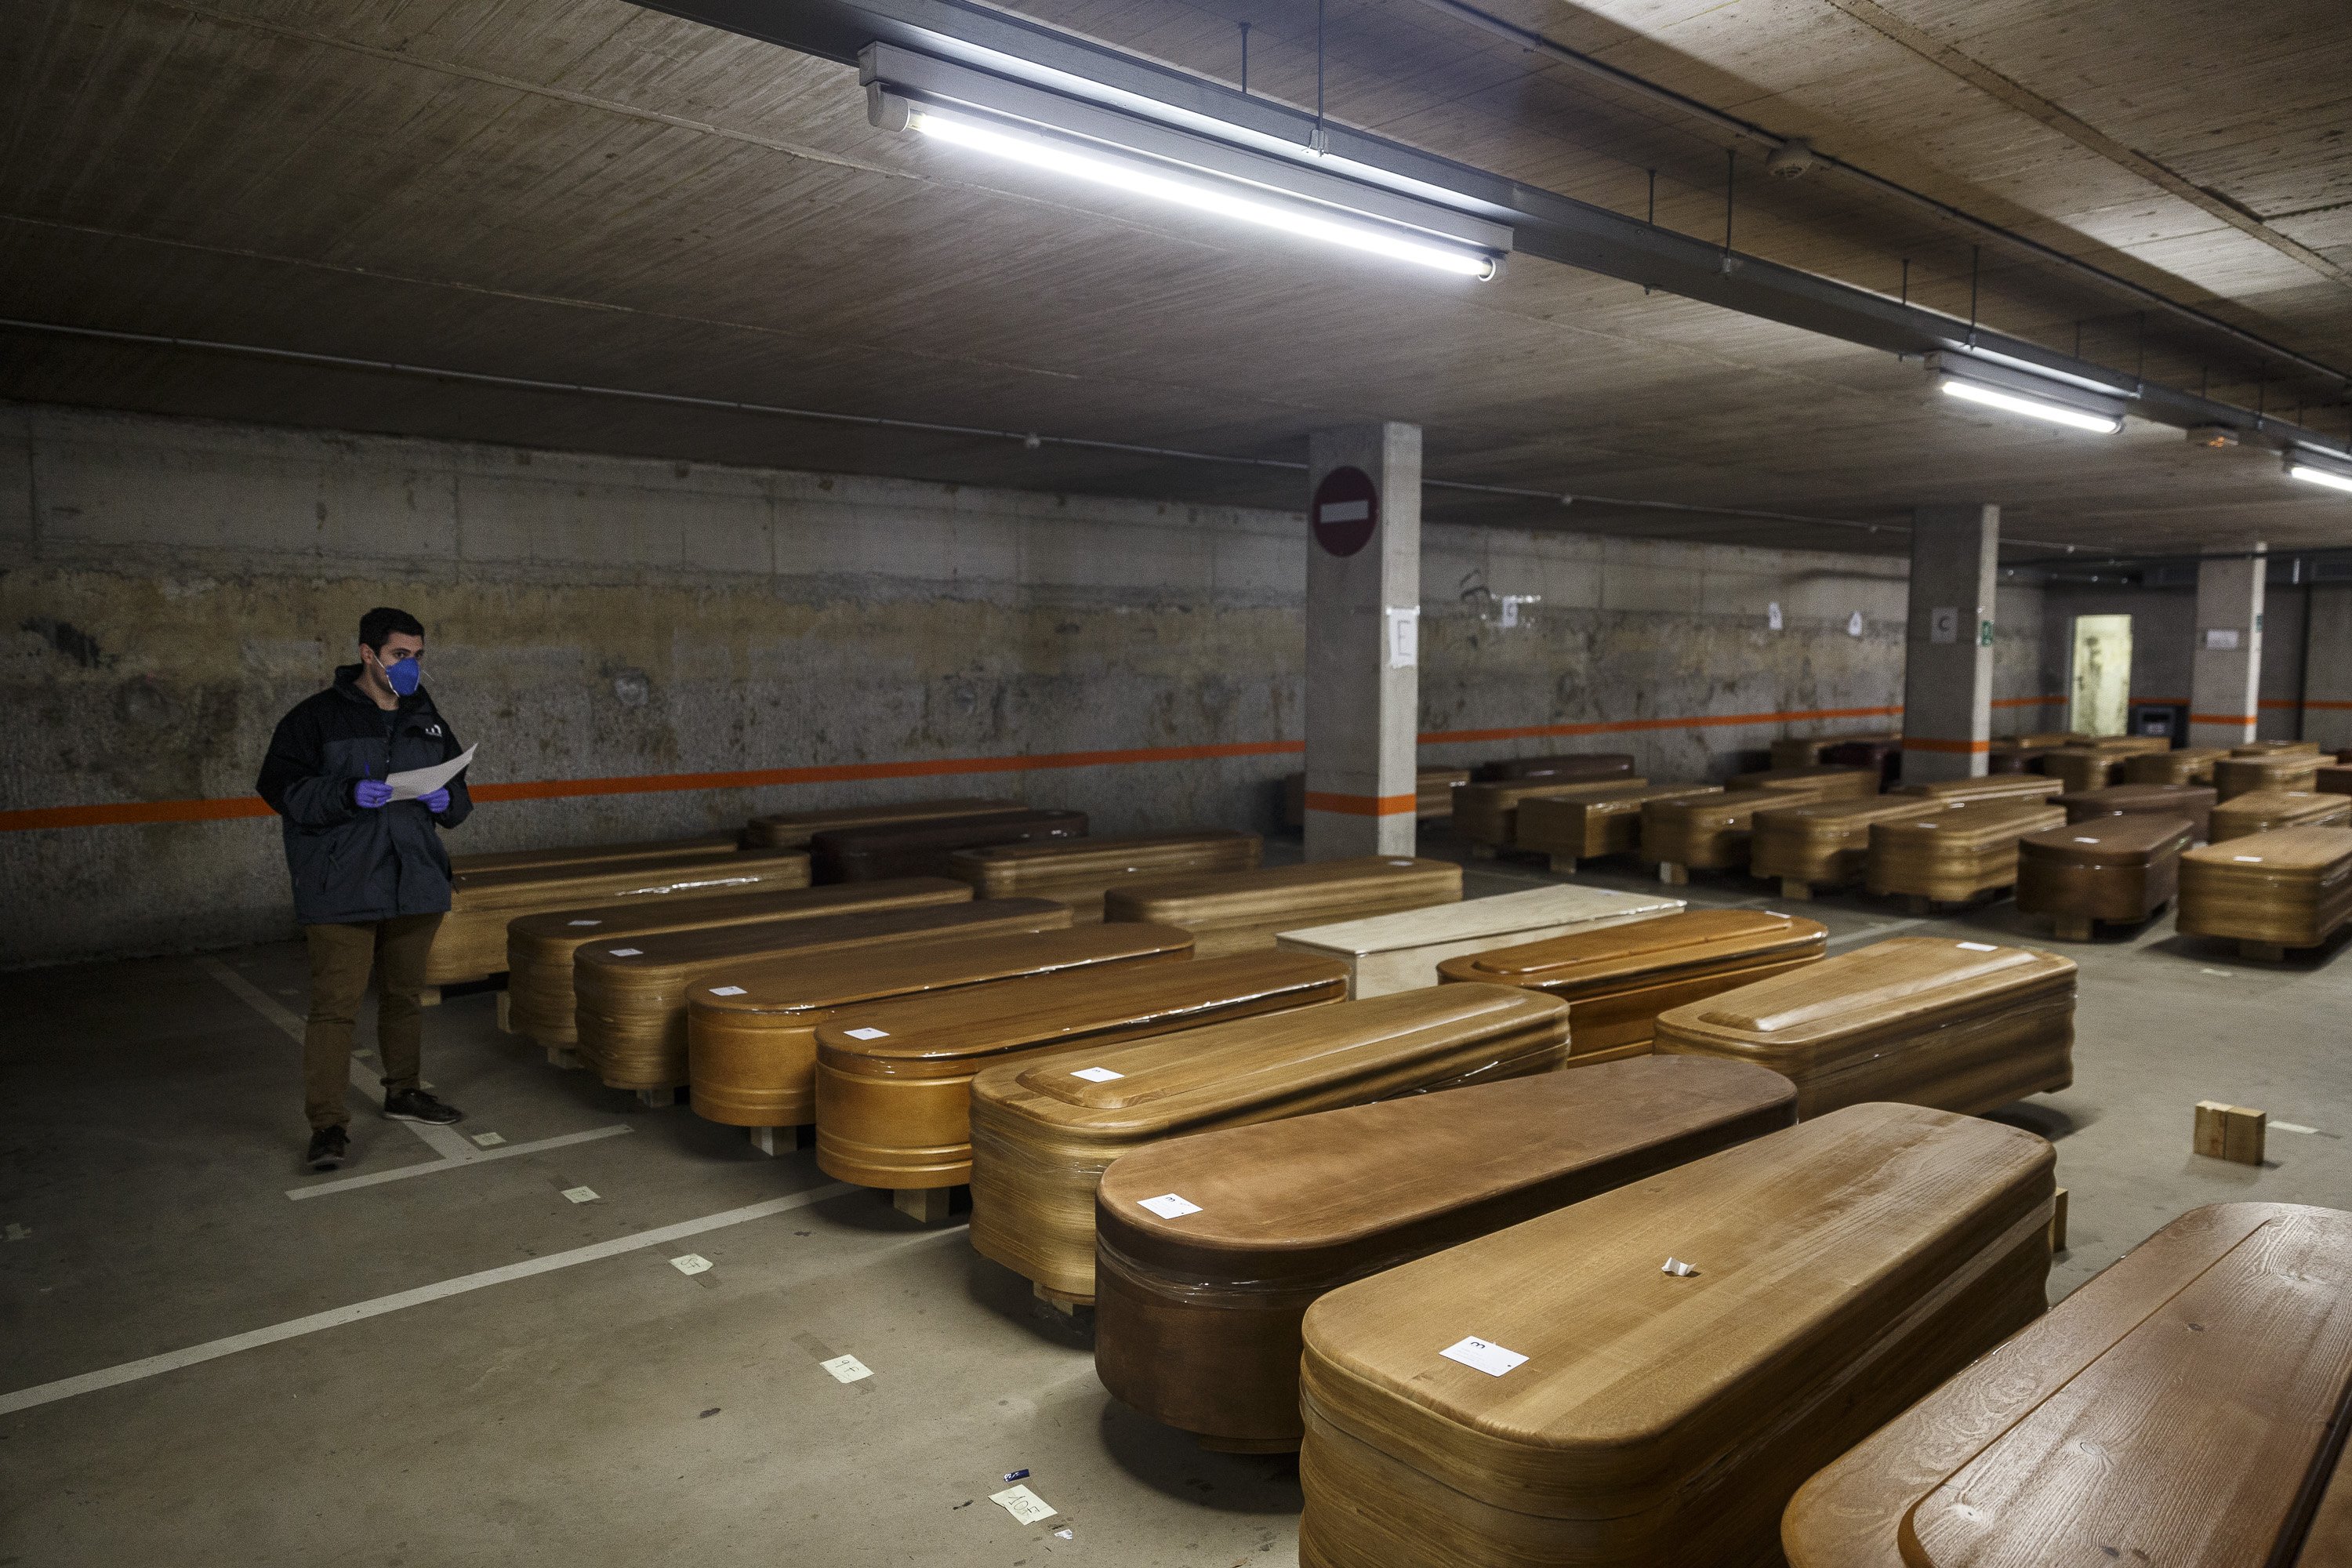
(583,191)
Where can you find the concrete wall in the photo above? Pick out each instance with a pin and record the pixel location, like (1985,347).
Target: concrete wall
(2164,639)
(168,589)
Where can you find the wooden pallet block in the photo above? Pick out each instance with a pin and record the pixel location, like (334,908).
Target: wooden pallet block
(2231,1132)
(1558,1393)
(1079,871)
(1241,911)
(794,830)
(2288,888)
(1298,1206)
(2120,868)
(1401,952)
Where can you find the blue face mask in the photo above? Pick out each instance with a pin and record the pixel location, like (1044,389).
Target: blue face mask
(403,677)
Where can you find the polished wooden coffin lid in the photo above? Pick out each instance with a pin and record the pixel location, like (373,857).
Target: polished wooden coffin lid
(1313,1199)
(1991,786)
(1966,826)
(2267,810)
(794,830)
(2276,749)
(1496,918)
(2192,801)
(950,1035)
(917,849)
(559,886)
(2298,852)
(555,932)
(662,961)
(1661,949)
(2128,840)
(1818,1014)
(1565,767)
(2270,771)
(1820,776)
(696,846)
(1832,821)
(1489,802)
(1276,892)
(2180,765)
(999,870)
(1810,1244)
(1545,814)
(2174,1410)
(1166,1085)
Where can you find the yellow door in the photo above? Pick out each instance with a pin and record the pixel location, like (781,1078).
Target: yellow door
(2101,704)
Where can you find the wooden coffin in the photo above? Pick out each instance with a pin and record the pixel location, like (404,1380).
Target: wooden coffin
(1401,952)
(1432,795)
(751,1028)
(2024,754)
(1805,751)
(2235,776)
(2176,1409)
(1487,815)
(1079,871)
(1616,982)
(2184,765)
(699,847)
(794,830)
(1886,755)
(1713,832)
(894,1076)
(1570,828)
(2276,749)
(2081,768)
(1960,1026)
(2194,802)
(2118,868)
(1197,1314)
(1567,767)
(1990,786)
(2333,781)
(1819,783)
(2268,810)
(1826,843)
(471,942)
(540,948)
(632,996)
(1958,854)
(2272,890)
(1552,1394)
(1042,1133)
(924,848)
(1236,911)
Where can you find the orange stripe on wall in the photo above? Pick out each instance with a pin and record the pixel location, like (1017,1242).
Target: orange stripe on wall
(1360,804)
(2222,718)
(1634,726)
(1964,748)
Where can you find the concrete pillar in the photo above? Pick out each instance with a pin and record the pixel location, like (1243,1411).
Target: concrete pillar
(1363,639)
(2226,679)
(1948,643)
(2328,667)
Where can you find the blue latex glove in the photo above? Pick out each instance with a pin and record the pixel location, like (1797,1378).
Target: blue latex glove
(437,803)
(372,793)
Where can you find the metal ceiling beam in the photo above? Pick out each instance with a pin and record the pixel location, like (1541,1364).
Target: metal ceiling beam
(1544,223)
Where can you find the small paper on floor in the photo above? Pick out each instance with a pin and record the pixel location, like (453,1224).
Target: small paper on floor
(1025,1505)
(692,1263)
(846,1368)
(19,1233)
(581,1195)
(2291,1127)
(489,1140)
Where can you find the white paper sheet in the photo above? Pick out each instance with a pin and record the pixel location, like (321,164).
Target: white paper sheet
(1025,1505)
(418,782)
(1484,1354)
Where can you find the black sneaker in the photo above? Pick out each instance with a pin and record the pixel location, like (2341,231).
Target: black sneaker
(416,1105)
(329,1147)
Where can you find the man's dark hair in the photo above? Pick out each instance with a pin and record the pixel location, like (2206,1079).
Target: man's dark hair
(384,621)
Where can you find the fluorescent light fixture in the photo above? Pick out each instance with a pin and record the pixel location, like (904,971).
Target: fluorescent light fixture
(1992,386)
(1023,122)
(2334,474)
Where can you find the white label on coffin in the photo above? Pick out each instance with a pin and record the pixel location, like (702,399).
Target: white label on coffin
(583,922)
(2247,860)
(1484,1355)
(1167,1205)
(624,951)
(727,991)
(868,1034)
(2080,840)
(1977,947)
(1097,1075)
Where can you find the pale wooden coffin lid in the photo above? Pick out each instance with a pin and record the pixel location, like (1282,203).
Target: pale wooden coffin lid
(2136,839)
(712,872)
(2271,765)
(1501,916)
(1113,856)
(1903,981)
(2177,1401)
(1305,1198)
(1273,891)
(2292,851)
(1636,1381)
(2285,805)
(1697,940)
(553,928)
(1774,778)
(944,834)
(1732,809)
(1630,798)
(2122,798)
(673,951)
(806,823)
(2276,749)
(943,1035)
(1561,766)
(489,860)
(1197,1074)
(1993,786)
(779,988)
(1970,824)
(1832,818)
(1512,792)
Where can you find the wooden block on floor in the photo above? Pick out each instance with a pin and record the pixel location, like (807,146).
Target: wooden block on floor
(1564,864)
(1673,875)
(774,1140)
(2058,1221)
(1796,891)
(563,1057)
(1918,904)
(2072,928)
(2233,1133)
(1061,1302)
(924,1205)
(2263,951)
(658,1099)
(429,996)
(1484,852)
(505,1027)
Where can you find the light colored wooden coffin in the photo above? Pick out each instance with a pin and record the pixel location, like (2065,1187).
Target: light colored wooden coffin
(2194,802)
(1579,827)
(794,830)
(1197,1317)
(924,848)
(1990,786)
(2288,888)
(632,996)
(1079,871)
(1714,833)
(2081,768)
(751,1029)
(2176,1409)
(1042,1134)
(1433,798)
(1817,783)
(1563,767)
(1957,854)
(894,1078)
(2116,868)
(540,948)
(1616,982)
(1960,1026)
(471,942)
(2183,765)
(2276,749)
(2235,776)
(2268,810)
(1401,952)
(1487,815)
(700,844)
(1826,843)
(1840,1269)
(1239,911)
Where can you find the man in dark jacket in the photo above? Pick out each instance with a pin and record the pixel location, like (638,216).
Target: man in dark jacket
(371,878)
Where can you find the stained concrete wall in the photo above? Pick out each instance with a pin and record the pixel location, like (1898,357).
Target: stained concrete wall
(168,589)
(2164,642)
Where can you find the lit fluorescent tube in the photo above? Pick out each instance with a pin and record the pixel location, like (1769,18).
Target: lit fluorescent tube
(2311,473)
(2033,408)
(1993,385)
(1217,197)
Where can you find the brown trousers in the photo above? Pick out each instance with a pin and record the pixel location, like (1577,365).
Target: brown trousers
(341,957)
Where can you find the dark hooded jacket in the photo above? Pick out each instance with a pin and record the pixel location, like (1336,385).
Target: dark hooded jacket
(351,864)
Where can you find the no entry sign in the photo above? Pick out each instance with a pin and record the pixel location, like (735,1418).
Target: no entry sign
(1346,509)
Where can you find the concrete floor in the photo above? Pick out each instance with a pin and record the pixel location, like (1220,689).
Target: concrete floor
(612,1409)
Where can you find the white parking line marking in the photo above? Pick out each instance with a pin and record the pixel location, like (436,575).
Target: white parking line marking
(427,1167)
